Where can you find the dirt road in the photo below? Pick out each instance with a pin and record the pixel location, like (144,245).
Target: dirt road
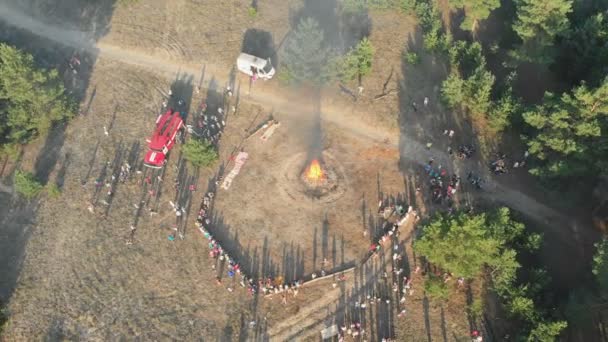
(270,96)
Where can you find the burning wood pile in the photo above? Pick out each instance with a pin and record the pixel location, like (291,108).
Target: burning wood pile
(314,175)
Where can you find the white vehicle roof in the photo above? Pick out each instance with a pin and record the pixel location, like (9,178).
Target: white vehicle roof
(252,60)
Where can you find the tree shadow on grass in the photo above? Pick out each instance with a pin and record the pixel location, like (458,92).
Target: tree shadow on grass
(259,43)
(19,20)
(182,89)
(342,30)
(65,163)
(427,320)
(16,220)
(49,154)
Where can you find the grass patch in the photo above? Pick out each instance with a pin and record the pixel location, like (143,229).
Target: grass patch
(52,190)
(27,185)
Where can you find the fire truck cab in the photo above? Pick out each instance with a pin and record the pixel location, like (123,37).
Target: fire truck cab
(167,127)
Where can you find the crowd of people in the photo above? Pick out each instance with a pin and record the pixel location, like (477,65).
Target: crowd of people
(394,285)
(442,186)
(209,123)
(464,151)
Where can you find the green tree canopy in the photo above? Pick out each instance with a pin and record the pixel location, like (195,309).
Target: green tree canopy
(547,331)
(429,19)
(470,86)
(474,10)
(465,244)
(568,136)
(199,152)
(356,63)
(31,99)
(584,51)
(305,55)
(537,25)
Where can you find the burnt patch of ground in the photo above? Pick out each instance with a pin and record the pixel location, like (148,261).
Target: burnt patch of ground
(15,228)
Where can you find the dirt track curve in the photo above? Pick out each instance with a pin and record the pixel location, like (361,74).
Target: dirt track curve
(413,151)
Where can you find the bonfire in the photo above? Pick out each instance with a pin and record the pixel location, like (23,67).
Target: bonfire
(314,173)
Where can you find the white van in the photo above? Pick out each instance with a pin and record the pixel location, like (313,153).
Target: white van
(251,65)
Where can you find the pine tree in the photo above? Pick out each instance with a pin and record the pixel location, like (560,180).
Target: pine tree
(584,51)
(305,54)
(569,137)
(470,84)
(31,99)
(357,62)
(547,331)
(537,25)
(199,152)
(475,10)
(464,244)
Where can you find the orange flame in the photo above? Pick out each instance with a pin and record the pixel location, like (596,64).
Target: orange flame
(314,172)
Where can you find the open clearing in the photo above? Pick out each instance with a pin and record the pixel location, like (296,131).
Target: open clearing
(79,280)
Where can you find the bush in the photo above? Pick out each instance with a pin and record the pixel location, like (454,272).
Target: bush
(3,317)
(408,6)
(10,151)
(600,265)
(355,6)
(27,185)
(199,152)
(252,12)
(523,307)
(52,190)
(436,288)
(411,58)
(285,76)
(476,308)
(381,4)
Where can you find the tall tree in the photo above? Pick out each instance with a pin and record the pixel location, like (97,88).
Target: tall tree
(465,244)
(569,133)
(356,63)
(474,10)
(547,331)
(470,86)
(537,24)
(305,54)
(584,51)
(31,99)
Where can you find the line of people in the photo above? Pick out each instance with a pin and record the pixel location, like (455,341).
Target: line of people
(266,286)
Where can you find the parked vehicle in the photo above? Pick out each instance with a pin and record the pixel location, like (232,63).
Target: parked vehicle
(252,65)
(167,128)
